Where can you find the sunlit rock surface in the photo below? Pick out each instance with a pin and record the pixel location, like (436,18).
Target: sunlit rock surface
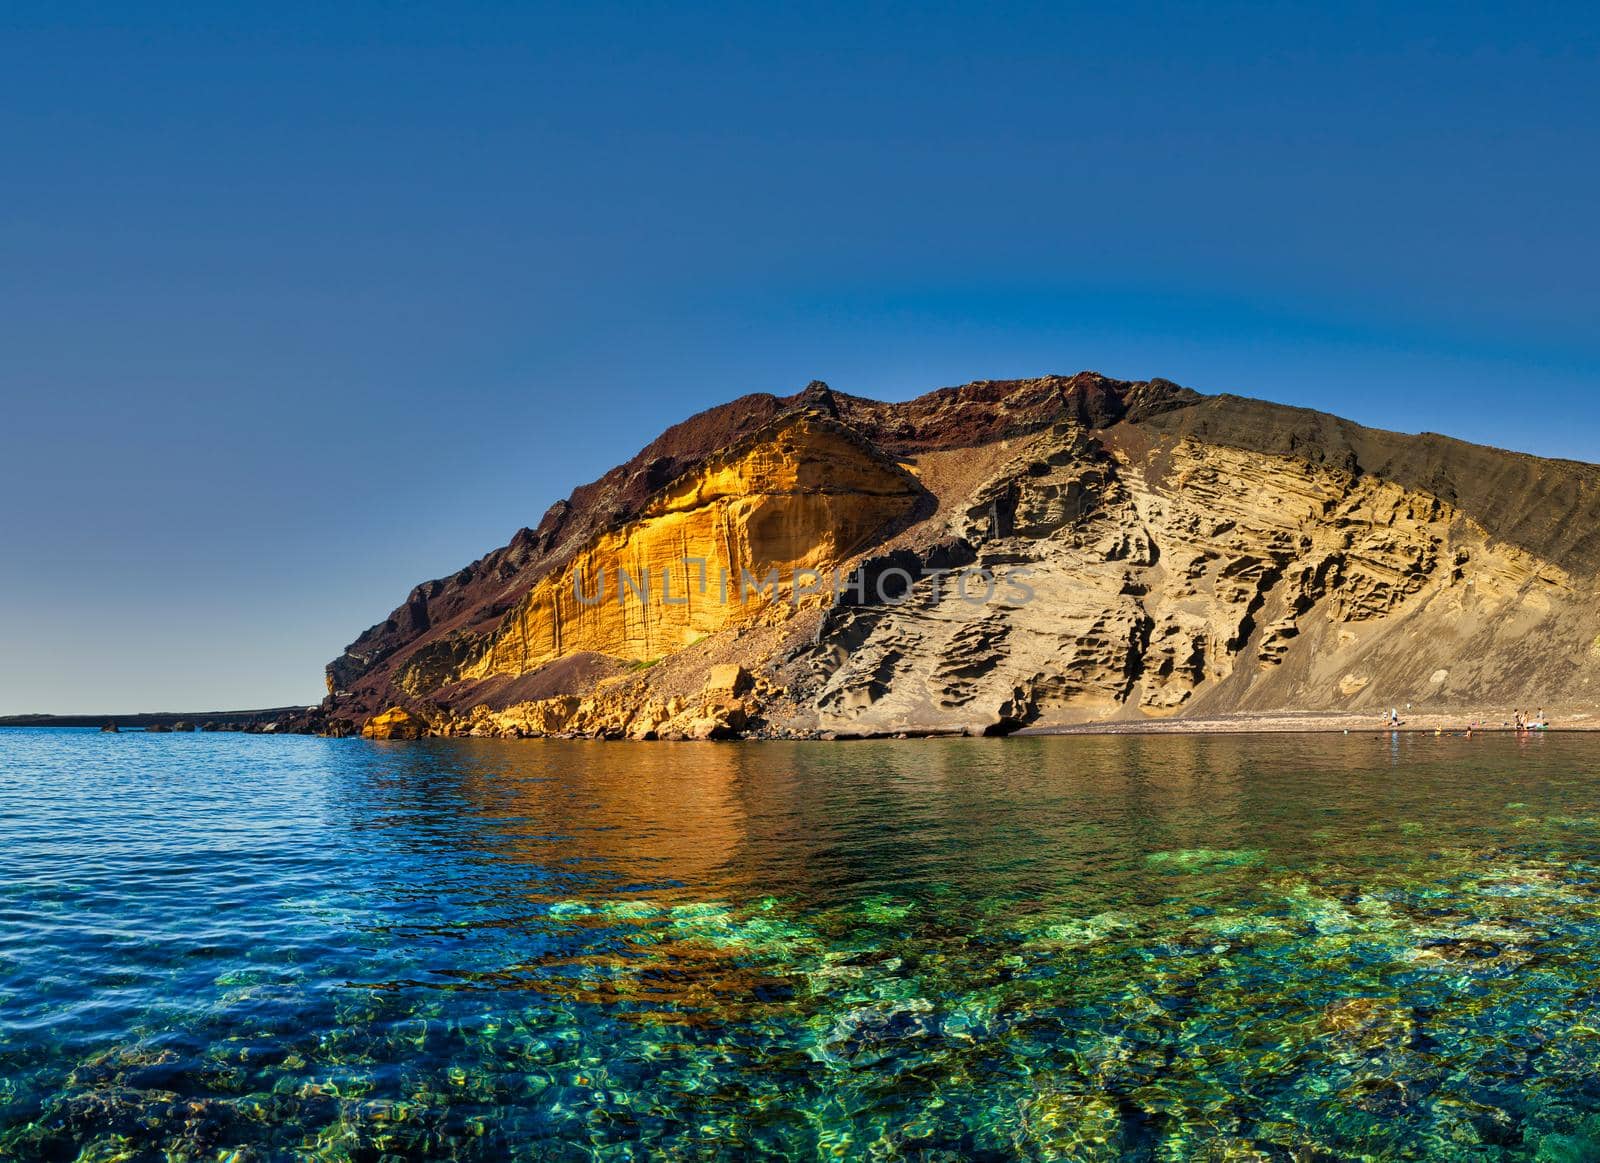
(1076,548)
(395,723)
(802,495)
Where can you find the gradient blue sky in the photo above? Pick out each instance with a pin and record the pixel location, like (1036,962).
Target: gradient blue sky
(302,305)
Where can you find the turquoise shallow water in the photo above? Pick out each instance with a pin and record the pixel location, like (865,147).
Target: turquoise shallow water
(1304,947)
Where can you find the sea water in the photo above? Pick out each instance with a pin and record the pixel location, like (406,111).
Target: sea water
(1305,946)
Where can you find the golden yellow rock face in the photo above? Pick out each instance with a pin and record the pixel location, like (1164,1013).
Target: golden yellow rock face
(617,708)
(805,495)
(395,723)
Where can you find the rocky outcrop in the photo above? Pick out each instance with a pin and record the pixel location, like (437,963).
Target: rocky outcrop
(1014,553)
(720,707)
(396,723)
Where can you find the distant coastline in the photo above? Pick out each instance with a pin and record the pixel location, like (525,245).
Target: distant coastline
(254,721)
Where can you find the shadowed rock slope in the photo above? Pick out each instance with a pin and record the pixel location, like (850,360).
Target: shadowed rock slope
(1030,553)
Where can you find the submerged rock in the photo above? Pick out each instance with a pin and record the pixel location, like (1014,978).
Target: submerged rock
(1204,859)
(869,1034)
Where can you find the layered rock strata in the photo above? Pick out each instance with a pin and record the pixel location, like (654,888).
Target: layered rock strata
(1025,553)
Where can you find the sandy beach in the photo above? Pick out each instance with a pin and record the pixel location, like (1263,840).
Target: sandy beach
(1280,722)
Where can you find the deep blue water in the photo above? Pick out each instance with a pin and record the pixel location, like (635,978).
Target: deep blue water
(1299,947)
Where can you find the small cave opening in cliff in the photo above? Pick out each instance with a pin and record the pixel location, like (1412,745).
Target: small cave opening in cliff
(1003,726)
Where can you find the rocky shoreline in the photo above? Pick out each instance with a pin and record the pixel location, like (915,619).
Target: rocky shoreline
(398,723)
(717,724)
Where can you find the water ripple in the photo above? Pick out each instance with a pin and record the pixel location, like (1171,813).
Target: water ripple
(236,947)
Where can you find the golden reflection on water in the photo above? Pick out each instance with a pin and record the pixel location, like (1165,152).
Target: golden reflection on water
(657,812)
(618,836)
(715,821)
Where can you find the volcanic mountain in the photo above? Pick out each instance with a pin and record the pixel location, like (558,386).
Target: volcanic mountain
(1003,554)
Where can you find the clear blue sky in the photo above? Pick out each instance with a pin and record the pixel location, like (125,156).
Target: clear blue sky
(300,305)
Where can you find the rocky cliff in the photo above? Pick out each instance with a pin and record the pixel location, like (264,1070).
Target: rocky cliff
(999,555)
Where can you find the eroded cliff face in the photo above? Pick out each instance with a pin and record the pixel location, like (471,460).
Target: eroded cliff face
(803,494)
(1076,549)
(1179,577)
